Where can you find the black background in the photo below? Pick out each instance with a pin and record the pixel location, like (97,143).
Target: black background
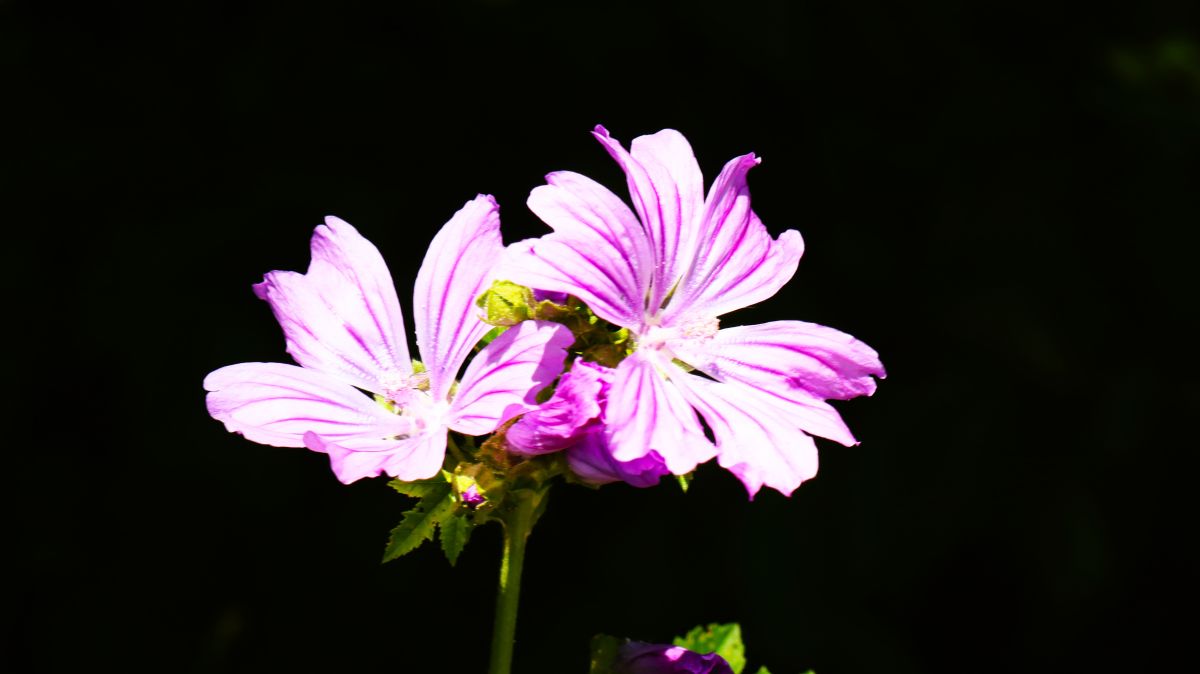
(1000,198)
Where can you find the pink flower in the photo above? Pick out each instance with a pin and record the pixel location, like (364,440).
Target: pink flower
(667,274)
(344,327)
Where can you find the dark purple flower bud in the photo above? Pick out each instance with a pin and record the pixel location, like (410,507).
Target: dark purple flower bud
(562,419)
(471,496)
(638,657)
(591,459)
(571,420)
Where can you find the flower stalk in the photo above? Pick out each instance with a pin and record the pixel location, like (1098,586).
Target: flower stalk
(518,522)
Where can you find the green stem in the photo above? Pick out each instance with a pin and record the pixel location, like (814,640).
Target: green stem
(517,524)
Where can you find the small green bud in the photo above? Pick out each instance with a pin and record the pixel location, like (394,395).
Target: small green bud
(506,303)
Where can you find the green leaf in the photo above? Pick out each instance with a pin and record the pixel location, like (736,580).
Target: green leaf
(724,640)
(604,653)
(419,523)
(455,531)
(418,488)
(763,670)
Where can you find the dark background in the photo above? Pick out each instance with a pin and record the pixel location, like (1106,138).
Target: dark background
(1000,198)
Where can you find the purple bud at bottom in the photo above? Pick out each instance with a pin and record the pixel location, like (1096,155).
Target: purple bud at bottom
(471,496)
(593,462)
(638,657)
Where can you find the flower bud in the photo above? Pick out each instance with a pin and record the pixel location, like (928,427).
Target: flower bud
(638,657)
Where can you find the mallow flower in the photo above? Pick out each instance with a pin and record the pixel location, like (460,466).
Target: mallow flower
(667,274)
(344,328)
(637,657)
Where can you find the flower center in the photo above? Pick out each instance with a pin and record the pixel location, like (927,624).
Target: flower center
(655,336)
(407,396)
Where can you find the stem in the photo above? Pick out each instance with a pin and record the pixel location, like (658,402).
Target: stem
(517,524)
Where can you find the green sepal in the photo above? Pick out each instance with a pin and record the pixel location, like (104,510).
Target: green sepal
(505,303)
(490,336)
(685,481)
(454,533)
(549,311)
(387,404)
(608,355)
(604,653)
(420,523)
(682,365)
(724,640)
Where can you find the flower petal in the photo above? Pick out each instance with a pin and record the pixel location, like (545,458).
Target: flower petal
(456,270)
(557,423)
(589,217)
(415,458)
(755,441)
(591,459)
(646,413)
(668,194)
(277,404)
(503,380)
(819,360)
(578,267)
(736,262)
(342,317)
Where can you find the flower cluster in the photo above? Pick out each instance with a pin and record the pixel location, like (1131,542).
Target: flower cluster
(598,348)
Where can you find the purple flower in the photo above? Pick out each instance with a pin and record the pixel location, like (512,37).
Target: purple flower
(636,657)
(667,274)
(343,326)
(573,419)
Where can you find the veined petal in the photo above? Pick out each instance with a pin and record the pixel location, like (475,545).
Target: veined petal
(647,413)
(736,262)
(587,214)
(755,441)
(277,404)
(456,270)
(575,204)
(342,317)
(503,380)
(576,266)
(668,193)
(819,360)
(415,458)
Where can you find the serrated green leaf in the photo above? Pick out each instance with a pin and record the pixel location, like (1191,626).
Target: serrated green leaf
(418,488)
(420,523)
(455,531)
(604,653)
(724,640)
